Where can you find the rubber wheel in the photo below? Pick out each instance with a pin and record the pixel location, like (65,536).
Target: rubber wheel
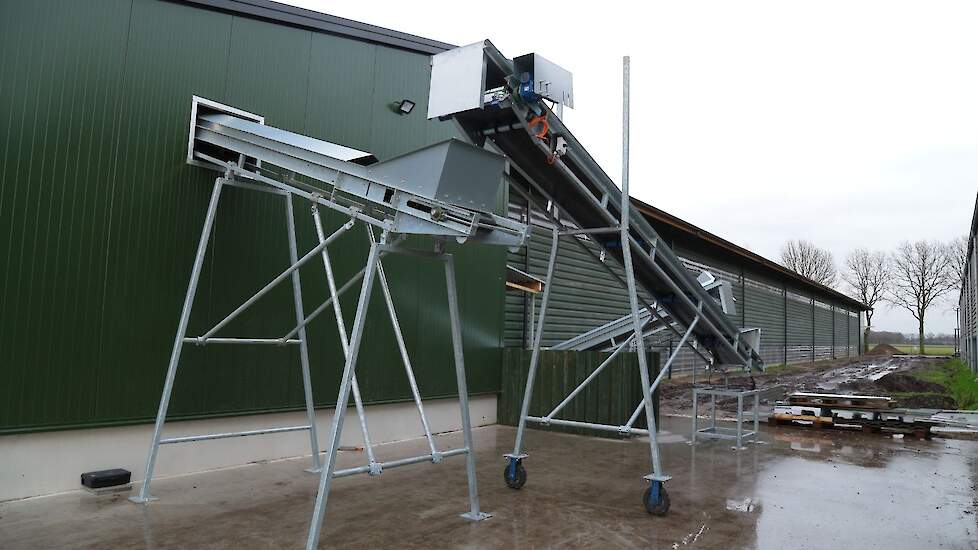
(519,480)
(659,509)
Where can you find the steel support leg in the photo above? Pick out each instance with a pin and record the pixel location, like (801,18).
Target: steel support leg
(303,342)
(344,342)
(757,419)
(342,400)
(474,513)
(655,498)
(171,371)
(740,421)
(517,454)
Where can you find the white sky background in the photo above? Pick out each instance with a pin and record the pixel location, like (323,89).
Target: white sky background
(845,123)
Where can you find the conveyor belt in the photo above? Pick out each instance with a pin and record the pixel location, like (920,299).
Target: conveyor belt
(585,195)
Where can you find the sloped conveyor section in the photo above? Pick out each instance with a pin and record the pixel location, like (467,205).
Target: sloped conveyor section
(501,105)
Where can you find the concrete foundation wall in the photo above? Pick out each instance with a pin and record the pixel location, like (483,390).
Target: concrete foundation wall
(51,462)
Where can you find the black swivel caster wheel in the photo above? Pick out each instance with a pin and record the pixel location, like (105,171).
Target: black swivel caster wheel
(515,475)
(657,505)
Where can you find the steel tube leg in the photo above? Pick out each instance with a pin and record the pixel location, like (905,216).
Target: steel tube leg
(695,427)
(656,500)
(757,404)
(474,513)
(303,343)
(740,420)
(342,400)
(171,371)
(344,342)
(517,456)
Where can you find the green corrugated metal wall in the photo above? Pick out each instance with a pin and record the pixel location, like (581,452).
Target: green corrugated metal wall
(585,296)
(100,216)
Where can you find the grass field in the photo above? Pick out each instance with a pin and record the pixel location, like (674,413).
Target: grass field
(928,350)
(957,379)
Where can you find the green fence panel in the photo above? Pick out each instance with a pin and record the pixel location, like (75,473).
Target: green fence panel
(608,399)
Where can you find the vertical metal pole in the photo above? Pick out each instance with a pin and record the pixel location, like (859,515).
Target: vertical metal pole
(713,412)
(740,420)
(303,342)
(537,339)
(474,513)
(171,371)
(757,404)
(342,400)
(626,250)
(399,336)
(695,407)
(341,328)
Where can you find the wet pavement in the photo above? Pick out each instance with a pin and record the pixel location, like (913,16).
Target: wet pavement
(802,489)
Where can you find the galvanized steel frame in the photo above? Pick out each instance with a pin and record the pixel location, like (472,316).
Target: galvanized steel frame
(374,197)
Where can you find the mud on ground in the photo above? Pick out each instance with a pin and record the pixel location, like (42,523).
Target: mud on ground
(868,375)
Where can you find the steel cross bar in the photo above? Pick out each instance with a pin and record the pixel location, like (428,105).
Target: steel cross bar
(589,378)
(401,462)
(268,341)
(281,277)
(208,437)
(344,342)
(342,290)
(589,425)
(405,358)
(664,369)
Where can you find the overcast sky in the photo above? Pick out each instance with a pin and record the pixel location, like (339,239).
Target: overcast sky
(848,123)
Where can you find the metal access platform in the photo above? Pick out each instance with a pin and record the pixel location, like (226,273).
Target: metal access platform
(446,191)
(513,107)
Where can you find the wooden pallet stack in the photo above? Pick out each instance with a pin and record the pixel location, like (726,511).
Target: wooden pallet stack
(869,413)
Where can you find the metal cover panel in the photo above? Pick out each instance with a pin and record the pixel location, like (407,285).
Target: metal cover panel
(300,141)
(451,171)
(549,79)
(458,79)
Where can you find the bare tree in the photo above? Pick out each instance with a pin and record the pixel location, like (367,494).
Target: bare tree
(958,249)
(810,261)
(868,273)
(922,274)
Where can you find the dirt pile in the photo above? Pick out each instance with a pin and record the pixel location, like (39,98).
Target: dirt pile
(883,349)
(907,390)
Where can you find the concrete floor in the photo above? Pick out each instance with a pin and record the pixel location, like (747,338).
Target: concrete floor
(803,489)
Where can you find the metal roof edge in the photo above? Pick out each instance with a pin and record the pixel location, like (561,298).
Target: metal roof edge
(704,235)
(331,24)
